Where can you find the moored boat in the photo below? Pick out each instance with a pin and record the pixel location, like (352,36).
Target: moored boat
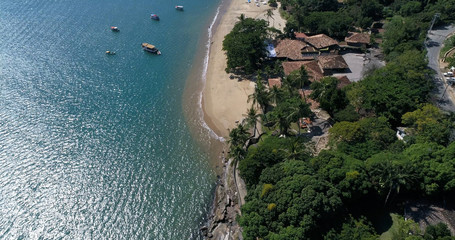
(180,8)
(115,29)
(155,17)
(110,53)
(150,48)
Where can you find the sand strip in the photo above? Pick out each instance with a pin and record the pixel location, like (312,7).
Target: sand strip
(224,99)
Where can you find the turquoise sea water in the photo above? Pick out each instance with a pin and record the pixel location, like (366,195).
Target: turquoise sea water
(95,146)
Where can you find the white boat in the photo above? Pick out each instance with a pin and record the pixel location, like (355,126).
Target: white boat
(150,48)
(180,8)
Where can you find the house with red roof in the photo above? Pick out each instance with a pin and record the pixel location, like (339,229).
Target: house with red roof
(323,43)
(294,50)
(300,36)
(274,82)
(355,39)
(313,69)
(331,64)
(343,81)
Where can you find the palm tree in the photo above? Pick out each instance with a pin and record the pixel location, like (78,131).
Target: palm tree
(299,9)
(260,96)
(289,111)
(296,113)
(319,90)
(284,124)
(287,86)
(268,71)
(282,118)
(237,139)
(269,15)
(392,175)
(252,119)
(395,179)
(295,149)
(237,148)
(238,136)
(304,77)
(275,95)
(323,90)
(242,17)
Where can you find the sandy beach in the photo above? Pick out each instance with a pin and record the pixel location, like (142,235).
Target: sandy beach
(224,99)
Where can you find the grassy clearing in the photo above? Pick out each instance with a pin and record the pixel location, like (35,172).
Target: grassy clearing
(389,233)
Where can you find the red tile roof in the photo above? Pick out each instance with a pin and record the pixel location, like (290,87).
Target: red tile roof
(305,95)
(275,82)
(289,49)
(300,35)
(314,70)
(354,37)
(343,81)
(312,67)
(292,49)
(309,49)
(332,62)
(321,41)
(289,67)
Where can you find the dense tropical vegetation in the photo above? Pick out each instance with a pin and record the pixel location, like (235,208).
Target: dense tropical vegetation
(244,45)
(366,171)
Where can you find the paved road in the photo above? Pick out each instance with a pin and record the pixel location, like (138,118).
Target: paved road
(445,96)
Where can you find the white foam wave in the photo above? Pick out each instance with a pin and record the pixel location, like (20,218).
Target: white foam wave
(204,77)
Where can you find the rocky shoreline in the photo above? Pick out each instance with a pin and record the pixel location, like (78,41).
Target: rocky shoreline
(222,224)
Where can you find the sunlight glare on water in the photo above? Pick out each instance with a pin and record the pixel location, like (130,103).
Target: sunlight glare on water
(94,146)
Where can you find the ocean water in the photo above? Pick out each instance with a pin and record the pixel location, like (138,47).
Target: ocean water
(95,146)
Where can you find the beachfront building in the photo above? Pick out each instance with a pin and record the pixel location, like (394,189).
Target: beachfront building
(318,54)
(317,69)
(294,50)
(313,69)
(303,47)
(331,64)
(323,44)
(359,40)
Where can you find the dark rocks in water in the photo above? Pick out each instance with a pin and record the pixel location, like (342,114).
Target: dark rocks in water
(204,230)
(222,222)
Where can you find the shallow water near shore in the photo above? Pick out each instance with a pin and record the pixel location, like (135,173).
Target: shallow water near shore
(94,146)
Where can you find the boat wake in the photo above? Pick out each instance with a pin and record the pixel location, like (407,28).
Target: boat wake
(204,76)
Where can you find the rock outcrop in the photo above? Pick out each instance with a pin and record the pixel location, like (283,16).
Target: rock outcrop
(222,223)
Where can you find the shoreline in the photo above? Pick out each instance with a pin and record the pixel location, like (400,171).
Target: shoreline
(224,100)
